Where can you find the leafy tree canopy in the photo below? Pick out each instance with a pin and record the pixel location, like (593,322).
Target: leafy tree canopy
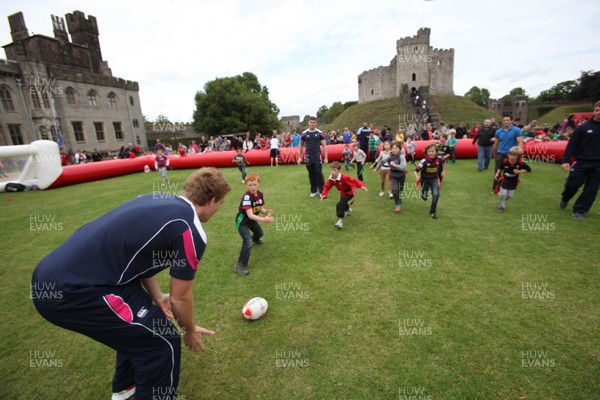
(235,104)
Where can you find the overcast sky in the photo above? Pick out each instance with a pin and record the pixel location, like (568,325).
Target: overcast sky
(310,53)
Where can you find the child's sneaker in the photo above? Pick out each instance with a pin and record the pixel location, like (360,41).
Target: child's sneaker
(314,194)
(391,195)
(434,215)
(381,193)
(241,270)
(398,208)
(243,181)
(500,210)
(347,211)
(339,224)
(124,394)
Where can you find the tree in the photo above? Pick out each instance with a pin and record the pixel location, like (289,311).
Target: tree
(587,88)
(162,119)
(517,91)
(349,104)
(321,111)
(235,104)
(559,92)
(478,96)
(334,111)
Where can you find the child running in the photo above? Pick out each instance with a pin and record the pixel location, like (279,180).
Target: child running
(508,174)
(347,186)
(397,173)
(429,168)
(347,153)
(247,220)
(381,164)
(161,162)
(360,157)
(411,149)
(241,163)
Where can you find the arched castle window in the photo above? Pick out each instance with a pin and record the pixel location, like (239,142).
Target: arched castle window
(92,98)
(372,92)
(112,100)
(414,77)
(71,96)
(6,98)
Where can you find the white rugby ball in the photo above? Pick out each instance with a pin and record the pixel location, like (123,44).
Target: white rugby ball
(255,308)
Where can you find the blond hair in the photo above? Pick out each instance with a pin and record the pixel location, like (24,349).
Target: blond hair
(204,185)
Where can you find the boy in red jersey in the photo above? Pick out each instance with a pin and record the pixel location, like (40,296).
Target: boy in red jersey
(347,186)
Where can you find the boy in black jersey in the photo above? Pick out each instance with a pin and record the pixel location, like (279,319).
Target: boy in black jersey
(247,220)
(508,174)
(430,168)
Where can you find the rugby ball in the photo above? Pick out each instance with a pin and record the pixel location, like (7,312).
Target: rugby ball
(255,308)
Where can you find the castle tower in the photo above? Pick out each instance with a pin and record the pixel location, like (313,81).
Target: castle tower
(84,31)
(60,32)
(18,32)
(418,64)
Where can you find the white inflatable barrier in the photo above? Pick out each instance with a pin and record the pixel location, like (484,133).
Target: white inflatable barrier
(33,165)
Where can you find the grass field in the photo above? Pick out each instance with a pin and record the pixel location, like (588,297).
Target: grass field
(475,305)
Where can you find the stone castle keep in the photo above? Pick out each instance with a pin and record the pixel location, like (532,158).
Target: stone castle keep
(415,65)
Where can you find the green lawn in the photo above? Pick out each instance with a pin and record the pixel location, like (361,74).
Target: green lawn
(475,305)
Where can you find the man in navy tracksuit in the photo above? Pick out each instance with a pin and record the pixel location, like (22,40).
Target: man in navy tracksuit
(101,282)
(313,139)
(584,147)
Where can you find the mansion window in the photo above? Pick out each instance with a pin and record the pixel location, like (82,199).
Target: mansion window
(99,128)
(15,134)
(35,99)
(7,102)
(112,100)
(78,131)
(71,98)
(45,100)
(118,130)
(92,101)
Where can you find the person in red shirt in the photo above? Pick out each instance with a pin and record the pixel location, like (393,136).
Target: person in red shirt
(347,186)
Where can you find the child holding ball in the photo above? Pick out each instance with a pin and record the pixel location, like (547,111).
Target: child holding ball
(247,220)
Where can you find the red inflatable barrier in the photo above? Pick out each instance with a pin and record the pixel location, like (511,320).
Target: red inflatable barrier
(72,174)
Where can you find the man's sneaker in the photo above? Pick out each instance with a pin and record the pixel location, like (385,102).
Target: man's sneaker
(433,215)
(398,208)
(339,224)
(500,210)
(258,241)
(381,193)
(578,216)
(241,269)
(243,181)
(347,212)
(391,195)
(314,194)
(123,394)
(562,204)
